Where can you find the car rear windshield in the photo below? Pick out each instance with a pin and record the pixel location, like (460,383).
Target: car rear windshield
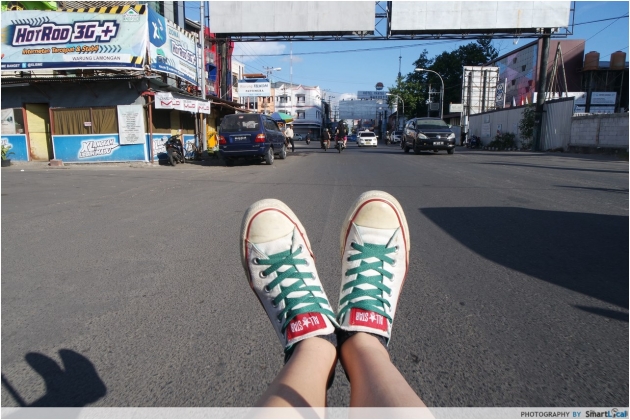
(398,133)
(238,122)
(431,124)
(366,134)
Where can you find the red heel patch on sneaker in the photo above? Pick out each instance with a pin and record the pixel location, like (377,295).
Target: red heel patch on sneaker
(364,318)
(304,324)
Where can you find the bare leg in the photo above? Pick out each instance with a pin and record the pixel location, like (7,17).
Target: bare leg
(302,381)
(375,381)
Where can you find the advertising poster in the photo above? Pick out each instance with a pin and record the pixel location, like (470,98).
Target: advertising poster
(131,124)
(159,150)
(96,148)
(8,121)
(34,39)
(172,50)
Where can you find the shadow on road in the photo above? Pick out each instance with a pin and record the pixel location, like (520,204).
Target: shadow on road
(586,253)
(554,167)
(75,385)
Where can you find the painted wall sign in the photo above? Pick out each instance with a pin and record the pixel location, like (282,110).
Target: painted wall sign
(131,124)
(96,148)
(17,144)
(603,98)
(172,50)
(67,40)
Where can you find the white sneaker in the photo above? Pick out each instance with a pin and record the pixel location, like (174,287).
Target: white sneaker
(375,258)
(280,267)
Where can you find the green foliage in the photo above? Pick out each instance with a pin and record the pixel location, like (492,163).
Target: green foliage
(5,151)
(413,88)
(526,125)
(503,141)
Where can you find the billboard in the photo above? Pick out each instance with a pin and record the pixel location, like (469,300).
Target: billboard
(171,49)
(166,100)
(36,39)
(291,17)
(478,17)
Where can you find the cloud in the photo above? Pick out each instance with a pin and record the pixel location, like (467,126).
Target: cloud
(249,51)
(296,59)
(347,96)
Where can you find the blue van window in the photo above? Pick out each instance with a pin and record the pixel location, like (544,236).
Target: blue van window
(240,122)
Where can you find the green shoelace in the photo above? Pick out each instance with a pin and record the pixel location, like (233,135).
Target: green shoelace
(313,303)
(375,301)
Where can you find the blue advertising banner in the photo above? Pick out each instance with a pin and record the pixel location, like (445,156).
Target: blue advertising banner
(33,39)
(172,50)
(96,148)
(17,144)
(189,143)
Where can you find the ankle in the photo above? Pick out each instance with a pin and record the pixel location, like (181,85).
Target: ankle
(363,343)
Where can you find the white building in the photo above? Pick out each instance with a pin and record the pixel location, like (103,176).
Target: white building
(303,103)
(238,69)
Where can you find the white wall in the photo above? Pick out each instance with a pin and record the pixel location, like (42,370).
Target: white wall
(602,130)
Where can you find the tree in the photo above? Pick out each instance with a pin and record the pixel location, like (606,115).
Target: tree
(526,125)
(413,88)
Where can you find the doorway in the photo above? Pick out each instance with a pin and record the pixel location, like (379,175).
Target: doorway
(38,128)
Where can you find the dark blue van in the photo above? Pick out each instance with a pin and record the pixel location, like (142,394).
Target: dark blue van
(250,135)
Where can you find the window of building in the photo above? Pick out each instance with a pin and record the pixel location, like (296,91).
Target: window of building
(102,120)
(14,121)
(300,115)
(523,67)
(514,60)
(301,99)
(513,82)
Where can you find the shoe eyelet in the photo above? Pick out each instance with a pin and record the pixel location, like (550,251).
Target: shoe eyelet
(307,263)
(262,274)
(396,251)
(256,261)
(393,264)
(274,305)
(267,289)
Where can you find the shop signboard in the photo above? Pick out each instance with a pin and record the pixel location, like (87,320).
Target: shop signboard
(171,49)
(166,100)
(254,88)
(35,39)
(131,124)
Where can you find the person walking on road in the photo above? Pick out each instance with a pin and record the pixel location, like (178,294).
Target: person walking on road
(288,132)
(280,267)
(325,138)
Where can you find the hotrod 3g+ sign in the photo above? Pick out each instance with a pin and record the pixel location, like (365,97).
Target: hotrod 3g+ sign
(69,40)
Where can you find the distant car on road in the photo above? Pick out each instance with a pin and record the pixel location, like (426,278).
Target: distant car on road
(352,137)
(428,134)
(395,136)
(250,135)
(366,138)
(298,137)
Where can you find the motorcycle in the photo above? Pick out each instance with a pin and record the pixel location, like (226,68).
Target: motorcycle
(308,140)
(340,145)
(325,144)
(175,150)
(473,142)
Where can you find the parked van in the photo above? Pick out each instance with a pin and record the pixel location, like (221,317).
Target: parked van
(250,135)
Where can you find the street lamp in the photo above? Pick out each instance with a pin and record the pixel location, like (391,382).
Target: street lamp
(418,69)
(403,102)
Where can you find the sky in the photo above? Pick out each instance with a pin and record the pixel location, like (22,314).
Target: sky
(344,67)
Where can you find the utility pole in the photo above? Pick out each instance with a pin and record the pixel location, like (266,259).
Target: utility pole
(540,100)
(203,141)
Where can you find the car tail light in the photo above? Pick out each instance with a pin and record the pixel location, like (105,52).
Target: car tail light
(222,140)
(260,138)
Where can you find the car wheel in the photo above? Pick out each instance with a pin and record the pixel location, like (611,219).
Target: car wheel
(283,152)
(450,151)
(269,156)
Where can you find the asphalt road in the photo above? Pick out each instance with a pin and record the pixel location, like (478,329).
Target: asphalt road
(122,286)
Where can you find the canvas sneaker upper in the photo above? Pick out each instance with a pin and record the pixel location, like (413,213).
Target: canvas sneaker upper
(280,267)
(375,258)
